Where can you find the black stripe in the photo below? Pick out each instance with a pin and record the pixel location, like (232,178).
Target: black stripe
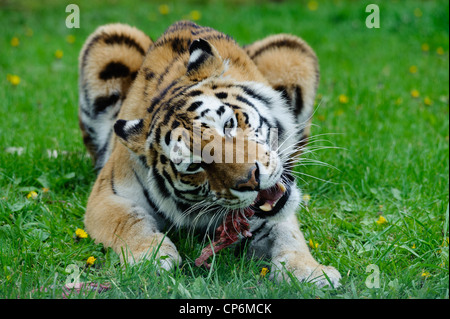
(194,106)
(175,124)
(203,113)
(233,106)
(167,138)
(160,184)
(195,191)
(102,102)
(149,74)
(197,63)
(246,121)
(102,151)
(114,70)
(163,159)
(143,160)
(112,182)
(298,100)
(254,95)
(221,110)
(287,43)
(174,105)
(119,129)
(175,190)
(284,93)
(87,50)
(123,39)
(157,99)
(244,100)
(179,45)
(195,93)
(221,95)
(145,192)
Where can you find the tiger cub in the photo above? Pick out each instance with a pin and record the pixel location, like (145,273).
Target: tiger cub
(152,112)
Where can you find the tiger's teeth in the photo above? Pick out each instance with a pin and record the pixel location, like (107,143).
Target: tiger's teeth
(282,187)
(266,207)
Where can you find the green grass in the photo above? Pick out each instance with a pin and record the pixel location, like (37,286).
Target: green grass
(392,157)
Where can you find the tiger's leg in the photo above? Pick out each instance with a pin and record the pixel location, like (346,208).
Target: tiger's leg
(279,239)
(119,216)
(108,64)
(116,215)
(291,67)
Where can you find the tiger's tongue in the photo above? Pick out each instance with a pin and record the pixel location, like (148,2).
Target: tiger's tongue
(268,198)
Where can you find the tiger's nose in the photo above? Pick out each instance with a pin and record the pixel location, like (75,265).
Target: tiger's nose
(251,183)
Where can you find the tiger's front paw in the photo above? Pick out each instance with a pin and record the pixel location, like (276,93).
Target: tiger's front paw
(305,271)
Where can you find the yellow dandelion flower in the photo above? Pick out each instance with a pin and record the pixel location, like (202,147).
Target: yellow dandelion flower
(59,54)
(426,274)
(13,79)
(313,5)
(32,195)
(15,42)
(418,13)
(425,47)
(413,246)
(164,9)
(70,39)
(415,93)
(91,260)
(343,99)
(195,15)
(381,220)
(440,51)
(313,245)
(80,233)
(264,272)
(413,69)
(427,101)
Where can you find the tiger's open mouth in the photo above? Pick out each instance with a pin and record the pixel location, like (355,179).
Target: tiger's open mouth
(269,201)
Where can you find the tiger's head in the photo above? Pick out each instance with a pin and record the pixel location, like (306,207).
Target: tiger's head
(211,143)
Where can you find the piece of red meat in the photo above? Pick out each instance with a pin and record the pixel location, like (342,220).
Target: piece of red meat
(236,223)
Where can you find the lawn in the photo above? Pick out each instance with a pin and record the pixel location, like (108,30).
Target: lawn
(382,120)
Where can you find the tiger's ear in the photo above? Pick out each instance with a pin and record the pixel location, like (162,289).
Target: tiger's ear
(131,134)
(204,61)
